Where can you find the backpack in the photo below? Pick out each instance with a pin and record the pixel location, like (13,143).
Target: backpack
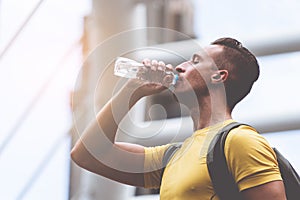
(222,180)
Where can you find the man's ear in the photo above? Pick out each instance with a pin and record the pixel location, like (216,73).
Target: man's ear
(219,76)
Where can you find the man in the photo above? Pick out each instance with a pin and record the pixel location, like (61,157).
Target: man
(210,85)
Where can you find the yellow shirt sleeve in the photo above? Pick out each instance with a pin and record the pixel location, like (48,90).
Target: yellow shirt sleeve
(250,158)
(153,165)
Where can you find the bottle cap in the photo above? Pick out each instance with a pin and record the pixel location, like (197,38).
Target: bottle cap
(175,79)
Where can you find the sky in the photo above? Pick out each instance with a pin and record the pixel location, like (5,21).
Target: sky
(37,75)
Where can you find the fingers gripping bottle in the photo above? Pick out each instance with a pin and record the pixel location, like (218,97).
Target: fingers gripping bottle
(128,68)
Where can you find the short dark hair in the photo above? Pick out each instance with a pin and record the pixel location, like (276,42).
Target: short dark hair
(242,66)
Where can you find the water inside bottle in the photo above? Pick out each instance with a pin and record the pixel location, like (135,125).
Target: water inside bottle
(127,68)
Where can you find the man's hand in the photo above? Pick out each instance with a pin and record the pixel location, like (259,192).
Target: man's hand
(153,78)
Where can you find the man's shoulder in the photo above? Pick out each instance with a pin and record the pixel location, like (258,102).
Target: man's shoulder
(243,132)
(245,135)
(246,139)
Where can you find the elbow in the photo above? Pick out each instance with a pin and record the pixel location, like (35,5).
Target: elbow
(77,156)
(74,155)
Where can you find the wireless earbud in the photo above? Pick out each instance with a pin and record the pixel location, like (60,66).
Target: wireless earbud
(217,76)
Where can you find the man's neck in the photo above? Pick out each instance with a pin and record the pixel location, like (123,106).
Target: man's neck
(209,111)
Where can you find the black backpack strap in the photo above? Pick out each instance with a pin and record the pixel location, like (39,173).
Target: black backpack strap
(289,176)
(170,151)
(222,180)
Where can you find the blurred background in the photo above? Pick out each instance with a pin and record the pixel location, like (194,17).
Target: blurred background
(56,61)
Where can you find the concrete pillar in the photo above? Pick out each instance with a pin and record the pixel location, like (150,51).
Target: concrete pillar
(110,33)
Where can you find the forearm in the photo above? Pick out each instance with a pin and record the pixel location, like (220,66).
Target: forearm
(101,132)
(99,137)
(97,151)
(114,111)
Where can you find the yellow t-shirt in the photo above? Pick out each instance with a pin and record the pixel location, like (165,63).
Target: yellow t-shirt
(249,157)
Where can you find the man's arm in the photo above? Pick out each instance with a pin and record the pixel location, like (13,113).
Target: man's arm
(253,163)
(97,150)
(269,191)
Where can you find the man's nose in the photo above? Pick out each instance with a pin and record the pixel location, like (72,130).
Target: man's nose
(180,69)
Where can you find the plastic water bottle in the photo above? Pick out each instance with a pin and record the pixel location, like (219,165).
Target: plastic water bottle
(127,68)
